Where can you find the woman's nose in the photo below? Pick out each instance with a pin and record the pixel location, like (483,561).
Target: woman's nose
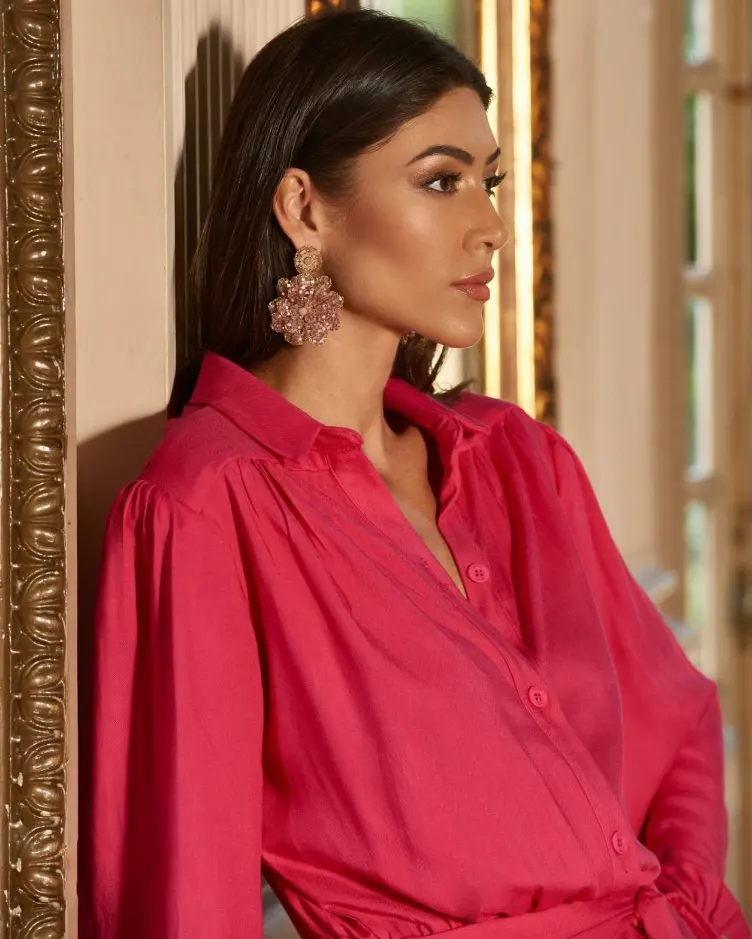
(491,231)
(498,235)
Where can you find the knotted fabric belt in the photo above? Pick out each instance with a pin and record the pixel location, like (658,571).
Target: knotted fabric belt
(649,914)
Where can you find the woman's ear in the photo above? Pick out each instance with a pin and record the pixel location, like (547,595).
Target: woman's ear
(293,206)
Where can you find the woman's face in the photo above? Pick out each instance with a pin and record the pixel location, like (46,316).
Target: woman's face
(420,219)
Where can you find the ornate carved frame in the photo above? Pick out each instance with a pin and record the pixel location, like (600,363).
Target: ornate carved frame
(543,262)
(316,6)
(521,368)
(33,634)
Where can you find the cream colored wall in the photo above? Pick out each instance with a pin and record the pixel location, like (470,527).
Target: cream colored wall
(125,69)
(115,179)
(121,190)
(127,64)
(603,205)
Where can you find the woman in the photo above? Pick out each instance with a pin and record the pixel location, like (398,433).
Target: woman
(374,642)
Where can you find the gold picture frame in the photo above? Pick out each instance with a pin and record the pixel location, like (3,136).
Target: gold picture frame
(543,259)
(317,6)
(518,348)
(33,637)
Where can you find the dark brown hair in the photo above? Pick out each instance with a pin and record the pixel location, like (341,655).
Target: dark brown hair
(315,97)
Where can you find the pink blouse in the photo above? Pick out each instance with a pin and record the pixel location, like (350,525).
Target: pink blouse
(288,681)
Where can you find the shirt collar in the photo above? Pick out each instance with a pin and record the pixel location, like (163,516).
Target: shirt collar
(286,430)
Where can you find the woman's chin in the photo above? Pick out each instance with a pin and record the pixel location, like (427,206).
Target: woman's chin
(459,335)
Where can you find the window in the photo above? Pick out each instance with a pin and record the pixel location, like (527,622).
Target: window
(705,295)
(715,368)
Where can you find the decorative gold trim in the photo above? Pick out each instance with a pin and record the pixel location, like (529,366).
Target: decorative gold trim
(487,19)
(32,496)
(524,249)
(316,6)
(518,345)
(543,262)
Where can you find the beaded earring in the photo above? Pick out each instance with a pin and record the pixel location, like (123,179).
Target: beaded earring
(306,308)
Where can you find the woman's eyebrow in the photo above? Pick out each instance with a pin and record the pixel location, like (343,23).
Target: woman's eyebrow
(458,153)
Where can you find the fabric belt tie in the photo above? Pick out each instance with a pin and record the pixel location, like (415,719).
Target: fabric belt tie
(649,914)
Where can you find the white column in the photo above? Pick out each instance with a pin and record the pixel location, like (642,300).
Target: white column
(603,213)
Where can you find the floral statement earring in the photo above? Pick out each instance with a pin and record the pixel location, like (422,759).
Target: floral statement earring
(307,309)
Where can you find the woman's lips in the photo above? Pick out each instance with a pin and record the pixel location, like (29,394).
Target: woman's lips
(476,286)
(474,291)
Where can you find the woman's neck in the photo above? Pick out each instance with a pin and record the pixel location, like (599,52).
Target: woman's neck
(340,384)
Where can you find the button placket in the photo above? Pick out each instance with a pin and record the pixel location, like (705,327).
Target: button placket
(618,843)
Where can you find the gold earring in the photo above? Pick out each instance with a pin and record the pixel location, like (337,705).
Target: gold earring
(306,309)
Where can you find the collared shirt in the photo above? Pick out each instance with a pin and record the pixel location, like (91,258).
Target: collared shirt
(288,680)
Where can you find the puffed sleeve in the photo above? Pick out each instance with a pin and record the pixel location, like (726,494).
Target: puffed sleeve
(671,720)
(170,835)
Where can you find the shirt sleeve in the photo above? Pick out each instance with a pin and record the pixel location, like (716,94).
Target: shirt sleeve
(670,711)
(171,819)
(682,828)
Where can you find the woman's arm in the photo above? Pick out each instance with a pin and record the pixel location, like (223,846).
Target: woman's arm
(686,826)
(171,820)
(670,712)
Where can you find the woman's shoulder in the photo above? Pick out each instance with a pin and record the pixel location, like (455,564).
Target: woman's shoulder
(547,456)
(198,452)
(507,418)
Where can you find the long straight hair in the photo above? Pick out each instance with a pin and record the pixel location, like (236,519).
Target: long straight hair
(315,97)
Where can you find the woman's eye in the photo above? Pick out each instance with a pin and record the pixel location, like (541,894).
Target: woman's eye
(447,183)
(492,182)
(444,184)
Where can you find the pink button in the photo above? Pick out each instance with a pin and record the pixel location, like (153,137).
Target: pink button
(478,573)
(538,697)
(620,843)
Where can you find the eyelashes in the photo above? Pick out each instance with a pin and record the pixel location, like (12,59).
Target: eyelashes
(494,181)
(448,183)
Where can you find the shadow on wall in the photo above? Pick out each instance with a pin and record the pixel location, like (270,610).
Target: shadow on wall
(209,88)
(105,464)
(110,460)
